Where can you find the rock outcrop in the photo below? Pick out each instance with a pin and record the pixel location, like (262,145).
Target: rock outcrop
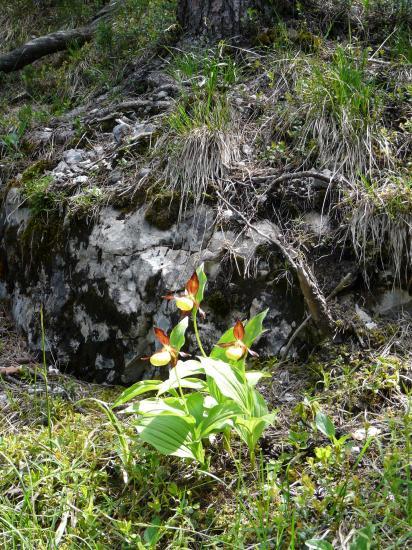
(101,284)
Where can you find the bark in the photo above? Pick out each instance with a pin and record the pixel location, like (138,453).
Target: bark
(217,18)
(40,47)
(230,18)
(52,43)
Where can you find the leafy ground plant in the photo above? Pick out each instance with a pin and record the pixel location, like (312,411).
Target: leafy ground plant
(205,396)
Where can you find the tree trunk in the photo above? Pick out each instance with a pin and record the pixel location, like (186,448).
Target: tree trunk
(218,18)
(230,18)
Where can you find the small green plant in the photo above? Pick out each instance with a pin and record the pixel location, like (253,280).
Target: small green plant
(340,111)
(203,397)
(37,193)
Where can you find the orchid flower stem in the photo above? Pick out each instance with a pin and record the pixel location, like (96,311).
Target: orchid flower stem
(199,342)
(181,393)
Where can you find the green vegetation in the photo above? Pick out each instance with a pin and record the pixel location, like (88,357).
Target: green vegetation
(226,452)
(326,475)
(39,198)
(210,77)
(339,110)
(182,423)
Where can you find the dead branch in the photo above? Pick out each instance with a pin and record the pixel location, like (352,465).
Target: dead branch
(54,42)
(290,176)
(9,370)
(315,301)
(344,283)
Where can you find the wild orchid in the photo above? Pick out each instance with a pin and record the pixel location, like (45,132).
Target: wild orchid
(168,354)
(237,349)
(188,301)
(204,396)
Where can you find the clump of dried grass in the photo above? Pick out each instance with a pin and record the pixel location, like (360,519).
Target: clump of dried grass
(204,155)
(380,224)
(336,115)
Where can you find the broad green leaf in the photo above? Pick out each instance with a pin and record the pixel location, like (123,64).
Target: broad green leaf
(325,425)
(152,533)
(254,328)
(177,336)
(210,402)
(139,388)
(250,429)
(155,406)
(168,434)
(202,283)
(194,403)
(258,405)
(318,544)
(227,381)
(187,368)
(363,539)
(254,376)
(189,383)
(218,417)
(183,374)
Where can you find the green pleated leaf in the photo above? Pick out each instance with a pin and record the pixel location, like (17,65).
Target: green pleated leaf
(187,368)
(184,374)
(254,376)
(188,383)
(168,434)
(177,336)
(324,424)
(217,418)
(195,406)
(154,406)
(202,283)
(137,389)
(227,381)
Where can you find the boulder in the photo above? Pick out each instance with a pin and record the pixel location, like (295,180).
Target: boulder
(101,285)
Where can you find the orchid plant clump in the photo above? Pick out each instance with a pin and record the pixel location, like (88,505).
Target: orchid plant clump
(204,396)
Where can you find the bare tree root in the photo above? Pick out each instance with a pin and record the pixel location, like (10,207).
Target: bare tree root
(55,42)
(344,283)
(314,298)
(290,176)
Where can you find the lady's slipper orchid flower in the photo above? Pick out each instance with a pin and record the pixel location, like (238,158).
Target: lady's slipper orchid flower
(168,354)
(237,349)
(187,301)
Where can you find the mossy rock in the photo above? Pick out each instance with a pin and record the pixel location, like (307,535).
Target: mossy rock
(309,42)
(42,236)
(36,170)
(163,211)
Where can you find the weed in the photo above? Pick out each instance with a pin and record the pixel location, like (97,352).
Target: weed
(340,111)
(39,198)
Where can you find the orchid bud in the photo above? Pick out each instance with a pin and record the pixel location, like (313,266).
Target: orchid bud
(184,303)
(161,358)
(235,352)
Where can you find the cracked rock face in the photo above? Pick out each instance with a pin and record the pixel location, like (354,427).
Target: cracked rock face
(101,286)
